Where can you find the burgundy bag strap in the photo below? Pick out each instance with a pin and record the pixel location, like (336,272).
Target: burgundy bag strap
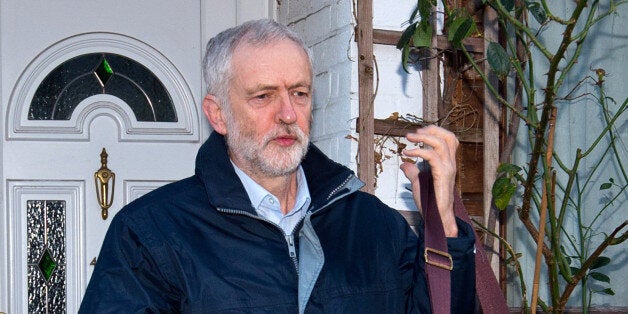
(438,263)
(487,288)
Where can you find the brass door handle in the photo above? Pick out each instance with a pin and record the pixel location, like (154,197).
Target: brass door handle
(101,180)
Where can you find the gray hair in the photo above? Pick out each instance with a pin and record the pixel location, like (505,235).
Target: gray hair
(217,61)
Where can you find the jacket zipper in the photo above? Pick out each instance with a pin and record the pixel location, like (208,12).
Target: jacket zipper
(292,251)
(334,191)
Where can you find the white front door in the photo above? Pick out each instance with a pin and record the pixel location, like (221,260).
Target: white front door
(79,78)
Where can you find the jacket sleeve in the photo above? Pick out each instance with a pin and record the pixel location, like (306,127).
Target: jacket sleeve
(462,250)
(127,277)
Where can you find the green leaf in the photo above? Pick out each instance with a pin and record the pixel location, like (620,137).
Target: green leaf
(498,59)
(606,186)
(423,35)
(508,168)
(600,261)
(600,277)
(574,270)
(608,291)
(425,8)
(405,52)
(503,190)
(508,4)
(413,15)
(537,11)
(459,29)
(406,35)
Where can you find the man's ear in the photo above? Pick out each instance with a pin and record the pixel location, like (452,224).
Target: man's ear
(214,114)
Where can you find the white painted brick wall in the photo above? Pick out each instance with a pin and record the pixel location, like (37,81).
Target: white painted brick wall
(327,27)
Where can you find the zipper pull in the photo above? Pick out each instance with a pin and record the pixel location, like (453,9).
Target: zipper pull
(291,248)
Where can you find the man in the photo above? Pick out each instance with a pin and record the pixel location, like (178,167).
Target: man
(268,223)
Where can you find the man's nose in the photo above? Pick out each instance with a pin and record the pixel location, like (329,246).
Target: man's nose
(286,113)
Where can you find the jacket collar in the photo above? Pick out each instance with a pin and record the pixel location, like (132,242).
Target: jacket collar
(325,177)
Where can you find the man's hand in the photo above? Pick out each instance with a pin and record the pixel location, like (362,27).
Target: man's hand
(439,150)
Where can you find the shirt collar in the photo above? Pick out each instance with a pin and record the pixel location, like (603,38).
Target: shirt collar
(257,193)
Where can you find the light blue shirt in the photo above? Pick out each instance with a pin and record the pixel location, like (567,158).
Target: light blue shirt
(267,205)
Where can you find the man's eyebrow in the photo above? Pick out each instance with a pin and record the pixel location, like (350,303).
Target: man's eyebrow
(263,87)
(260,87)
(301,84)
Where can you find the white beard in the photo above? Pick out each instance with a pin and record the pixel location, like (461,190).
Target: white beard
(261,155)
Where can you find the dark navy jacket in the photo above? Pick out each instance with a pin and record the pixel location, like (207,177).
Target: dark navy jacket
(197,246)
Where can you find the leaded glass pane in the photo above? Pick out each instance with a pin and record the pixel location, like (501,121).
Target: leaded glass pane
(37,288)
(45,101)
(103,72)
(57,290)
(35,231)
(47,265)
(149,84)
(139,103)
(46,277)
(55,222)
(80,88)
(100,73)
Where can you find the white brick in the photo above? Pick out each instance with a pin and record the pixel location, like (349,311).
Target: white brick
(342,14)
(281,10)
(337,147)
(354,109)
(337,118)
(340,85)
(345,145)
(324,145)
(300,9)
(314,27)
(322,86)
(318,125)
(332,50)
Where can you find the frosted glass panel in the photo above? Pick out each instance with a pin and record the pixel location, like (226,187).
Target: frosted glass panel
(46,278)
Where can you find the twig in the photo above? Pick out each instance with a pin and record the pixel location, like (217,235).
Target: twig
(544,205)
(610,240)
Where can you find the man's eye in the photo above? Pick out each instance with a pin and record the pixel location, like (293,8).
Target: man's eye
(262,96)
(300,94)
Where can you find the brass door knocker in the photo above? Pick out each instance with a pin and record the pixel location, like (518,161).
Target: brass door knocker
(101,179)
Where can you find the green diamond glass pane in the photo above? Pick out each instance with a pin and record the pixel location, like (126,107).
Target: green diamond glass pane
(47,265)
(103,72)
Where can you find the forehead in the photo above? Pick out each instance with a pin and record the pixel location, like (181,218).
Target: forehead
(280,57)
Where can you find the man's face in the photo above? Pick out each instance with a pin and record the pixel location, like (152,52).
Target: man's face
(270,99)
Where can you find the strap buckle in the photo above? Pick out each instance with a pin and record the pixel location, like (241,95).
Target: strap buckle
(435,263)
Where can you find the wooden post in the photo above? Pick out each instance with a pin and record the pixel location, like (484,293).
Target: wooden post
(431,81)
(366,142)
(491,119)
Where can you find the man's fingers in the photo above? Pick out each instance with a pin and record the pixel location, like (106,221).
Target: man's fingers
(410,170)
(436,137)
(441,146)
(440,153)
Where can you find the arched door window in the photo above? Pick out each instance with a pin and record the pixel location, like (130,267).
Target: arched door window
(91,74)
